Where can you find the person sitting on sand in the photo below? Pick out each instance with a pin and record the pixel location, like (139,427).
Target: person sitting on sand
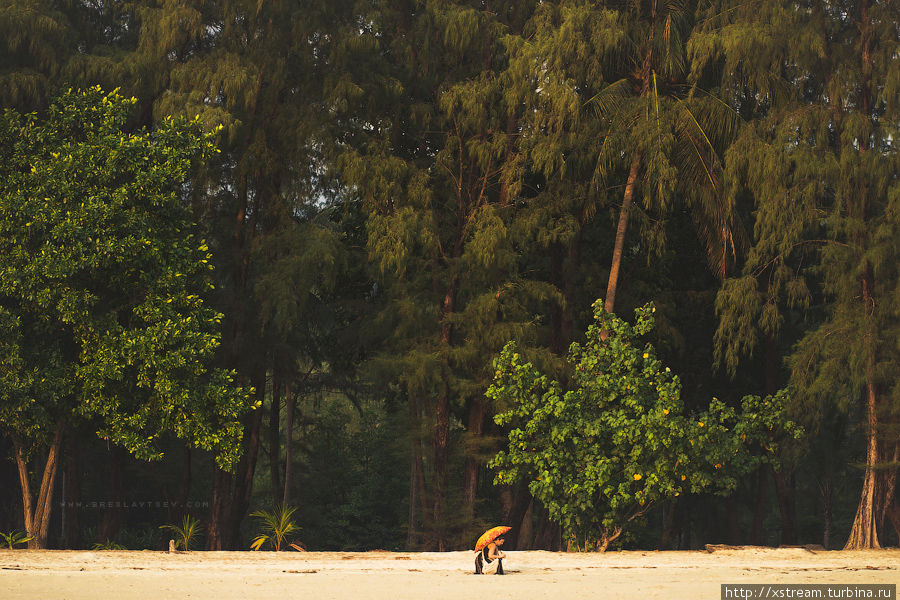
(490,560)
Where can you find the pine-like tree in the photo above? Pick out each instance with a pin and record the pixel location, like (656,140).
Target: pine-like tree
(429,159)
(821,163)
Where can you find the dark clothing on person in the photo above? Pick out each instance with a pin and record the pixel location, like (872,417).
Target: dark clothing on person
(481,559)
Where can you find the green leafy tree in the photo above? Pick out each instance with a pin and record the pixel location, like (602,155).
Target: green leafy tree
(601,454)
(101,291)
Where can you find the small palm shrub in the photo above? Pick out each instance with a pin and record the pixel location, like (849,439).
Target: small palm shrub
(185,534)
(276,525)
(14,538)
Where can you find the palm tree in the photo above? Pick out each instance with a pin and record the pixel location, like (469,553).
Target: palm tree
(614,89)
(672,132)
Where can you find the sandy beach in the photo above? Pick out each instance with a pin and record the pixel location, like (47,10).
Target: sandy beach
(77,575)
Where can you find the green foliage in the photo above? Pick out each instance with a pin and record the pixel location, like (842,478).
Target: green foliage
(186,533)
(14,538)
(276,526)
(599,455)
(102,282)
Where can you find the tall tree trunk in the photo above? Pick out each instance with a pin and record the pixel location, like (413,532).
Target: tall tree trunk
(783,492)
(864,531)
(111,521)
(411,529)
(243,484)
(827,512)
(473,462)
(785,506)
(416,475)
(670,524)
(231,493)
(37,513)
(290,402)
(27,499)
(548,535)
(441,440)
(441,446)
(526,529)
(517,503)
(612,284)
(220,508)
(275,441)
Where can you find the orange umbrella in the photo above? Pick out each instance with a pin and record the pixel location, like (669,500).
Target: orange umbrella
(489,536)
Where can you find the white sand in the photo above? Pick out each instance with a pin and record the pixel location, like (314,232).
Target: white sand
(76,575)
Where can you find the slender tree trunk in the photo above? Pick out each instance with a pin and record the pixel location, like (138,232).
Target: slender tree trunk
(441,464)
(231,493)
(243,485)
(783,493)
(25,485)
(612,285)
(216,535)
(470,478)
(526,529)
(37,513)
(548,535)
(111,522)
(442,424)
(275,441)
(411,517)
(290,402)
(416,500)
(670,524)
(827,508)
(864,531)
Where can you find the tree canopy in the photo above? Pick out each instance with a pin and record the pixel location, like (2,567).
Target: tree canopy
(102,285)
(396,190)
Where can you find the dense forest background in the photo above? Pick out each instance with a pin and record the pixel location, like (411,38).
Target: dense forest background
(405,186)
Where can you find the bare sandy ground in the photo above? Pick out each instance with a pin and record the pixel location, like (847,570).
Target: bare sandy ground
(77,575)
